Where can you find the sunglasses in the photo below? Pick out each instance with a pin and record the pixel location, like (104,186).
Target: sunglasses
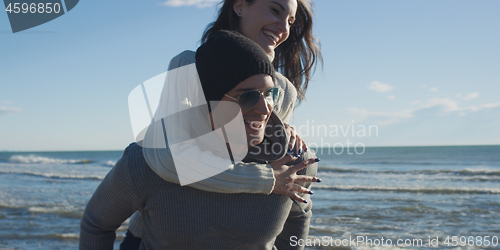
(248,99)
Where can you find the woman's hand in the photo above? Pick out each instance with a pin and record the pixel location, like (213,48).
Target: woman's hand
(295,141)
(286,176)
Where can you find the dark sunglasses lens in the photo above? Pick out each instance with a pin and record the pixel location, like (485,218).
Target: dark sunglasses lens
(249,99)
(272,96)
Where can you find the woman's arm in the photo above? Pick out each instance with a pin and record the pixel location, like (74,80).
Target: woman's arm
(241,178)
(112,203)
(297,224)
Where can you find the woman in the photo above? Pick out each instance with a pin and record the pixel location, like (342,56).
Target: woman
(283,28)
(294,50)
(180,217)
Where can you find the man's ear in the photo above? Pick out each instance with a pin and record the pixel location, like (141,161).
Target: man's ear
(238,6)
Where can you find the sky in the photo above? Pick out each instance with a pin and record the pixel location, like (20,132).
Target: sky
(394,73)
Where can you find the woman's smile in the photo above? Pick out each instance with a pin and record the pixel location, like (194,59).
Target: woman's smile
(266,22)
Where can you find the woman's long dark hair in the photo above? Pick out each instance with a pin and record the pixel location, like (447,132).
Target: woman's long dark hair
(296,57)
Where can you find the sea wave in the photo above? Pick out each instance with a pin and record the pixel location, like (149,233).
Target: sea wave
(110,163)
(35,159)
(423,190)
(61,210)
(464,172)
(52,175)
(418,163)
(54,236)
(66,236)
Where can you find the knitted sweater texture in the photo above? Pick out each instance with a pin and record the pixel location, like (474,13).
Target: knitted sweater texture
(181,217)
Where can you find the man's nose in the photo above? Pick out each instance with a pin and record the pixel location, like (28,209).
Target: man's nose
(262,107)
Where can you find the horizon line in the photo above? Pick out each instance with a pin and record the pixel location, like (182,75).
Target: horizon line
(397,146)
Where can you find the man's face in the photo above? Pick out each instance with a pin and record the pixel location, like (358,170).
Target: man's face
(257,117)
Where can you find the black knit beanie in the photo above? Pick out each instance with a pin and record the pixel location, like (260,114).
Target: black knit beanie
(226,59)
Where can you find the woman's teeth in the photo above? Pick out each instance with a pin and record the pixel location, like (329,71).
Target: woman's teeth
(256,125)
(272,36)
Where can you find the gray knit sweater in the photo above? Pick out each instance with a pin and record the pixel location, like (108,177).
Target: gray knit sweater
(181,217)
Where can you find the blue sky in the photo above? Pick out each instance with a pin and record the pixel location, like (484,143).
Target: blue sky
(410,72)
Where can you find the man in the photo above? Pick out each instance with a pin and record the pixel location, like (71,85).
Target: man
(231,68)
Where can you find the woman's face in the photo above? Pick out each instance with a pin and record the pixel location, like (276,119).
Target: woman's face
(266,22)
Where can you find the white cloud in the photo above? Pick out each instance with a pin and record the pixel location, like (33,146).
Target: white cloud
(7,102)
(386,117)
(391,97)
(434,89)
(471,96)
(6,110)
(446,105)
(490,105)
(197,3)
(380,87)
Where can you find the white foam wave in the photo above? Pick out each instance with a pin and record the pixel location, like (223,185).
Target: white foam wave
(463,172)
(53,175)
(62,210)
(30,159)
(481,171)
(57,236)
(436,190)
(68,236)
(110,163)
(44,209)
(67,211)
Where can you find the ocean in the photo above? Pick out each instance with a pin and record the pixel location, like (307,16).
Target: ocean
(442,197)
